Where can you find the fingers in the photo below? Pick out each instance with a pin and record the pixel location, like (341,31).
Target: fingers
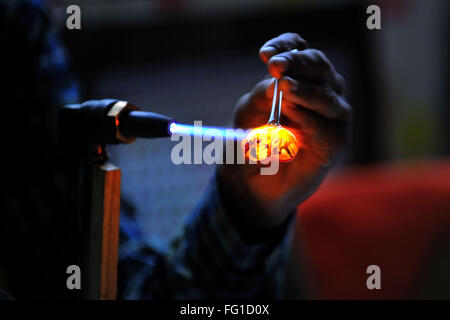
(287,55)
(320,98)
(282,43)
(308,64)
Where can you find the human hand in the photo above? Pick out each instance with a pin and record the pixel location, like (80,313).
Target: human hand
(313,108)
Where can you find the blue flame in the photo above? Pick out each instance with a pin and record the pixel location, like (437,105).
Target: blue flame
(198,130)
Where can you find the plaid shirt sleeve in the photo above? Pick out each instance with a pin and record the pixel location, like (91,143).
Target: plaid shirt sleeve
(208,260)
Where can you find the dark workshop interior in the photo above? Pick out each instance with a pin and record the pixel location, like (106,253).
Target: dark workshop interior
(387,202)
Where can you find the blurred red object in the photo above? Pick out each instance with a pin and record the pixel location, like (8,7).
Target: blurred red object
(393,216)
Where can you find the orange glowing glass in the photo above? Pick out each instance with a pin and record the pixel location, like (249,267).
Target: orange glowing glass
(272,141)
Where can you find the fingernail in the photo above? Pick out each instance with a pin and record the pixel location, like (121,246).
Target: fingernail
(268,52)
(279,62)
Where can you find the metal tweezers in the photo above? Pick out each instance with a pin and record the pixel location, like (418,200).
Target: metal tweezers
(275,114)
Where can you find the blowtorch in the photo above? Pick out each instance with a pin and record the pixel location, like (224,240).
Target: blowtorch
(110,121)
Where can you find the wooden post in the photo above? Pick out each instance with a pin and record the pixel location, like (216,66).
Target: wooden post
(104,232)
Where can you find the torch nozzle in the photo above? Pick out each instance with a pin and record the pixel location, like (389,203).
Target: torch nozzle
(144,124)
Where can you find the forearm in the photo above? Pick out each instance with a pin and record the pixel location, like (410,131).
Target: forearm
(254,220)
(218,261)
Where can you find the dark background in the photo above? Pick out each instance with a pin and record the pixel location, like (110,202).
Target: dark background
(192,60)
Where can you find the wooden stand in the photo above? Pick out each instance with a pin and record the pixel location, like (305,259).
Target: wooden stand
(92,199)
(103,243)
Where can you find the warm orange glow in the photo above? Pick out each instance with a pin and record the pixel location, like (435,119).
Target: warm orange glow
(270,142)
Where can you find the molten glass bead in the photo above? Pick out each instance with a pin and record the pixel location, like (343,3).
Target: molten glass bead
(271,142)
